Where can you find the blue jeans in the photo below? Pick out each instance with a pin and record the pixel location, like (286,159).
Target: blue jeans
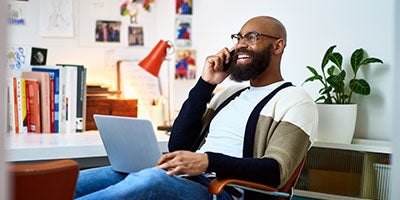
(105,183)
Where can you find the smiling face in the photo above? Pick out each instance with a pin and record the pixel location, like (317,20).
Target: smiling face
(255,52)
(248,64)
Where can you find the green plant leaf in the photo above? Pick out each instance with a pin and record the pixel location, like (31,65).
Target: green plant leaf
(328,53)
(320,98)
(325,91)
(356,58)
(360,86)
(313,78)
(312,70)
(371,60)
(331,70)
(337,58)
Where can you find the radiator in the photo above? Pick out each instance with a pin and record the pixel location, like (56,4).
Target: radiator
(382,174)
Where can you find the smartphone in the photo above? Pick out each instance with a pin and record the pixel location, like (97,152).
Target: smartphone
(226,66)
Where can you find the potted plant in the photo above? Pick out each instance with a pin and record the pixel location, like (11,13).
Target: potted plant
(336,89)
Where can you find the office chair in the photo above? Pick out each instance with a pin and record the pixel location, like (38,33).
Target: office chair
(45,180)
(286,192)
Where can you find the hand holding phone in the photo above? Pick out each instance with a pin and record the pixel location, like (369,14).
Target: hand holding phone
(225,66)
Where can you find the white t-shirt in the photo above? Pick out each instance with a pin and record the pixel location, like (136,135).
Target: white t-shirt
(227,129)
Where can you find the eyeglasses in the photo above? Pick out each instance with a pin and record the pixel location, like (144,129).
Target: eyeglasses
(249,38)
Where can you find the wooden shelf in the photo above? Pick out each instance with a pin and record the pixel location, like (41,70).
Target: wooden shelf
(362,145)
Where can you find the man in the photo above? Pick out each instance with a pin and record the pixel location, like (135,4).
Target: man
(236,138)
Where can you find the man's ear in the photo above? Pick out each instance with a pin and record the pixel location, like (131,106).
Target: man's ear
(279,46)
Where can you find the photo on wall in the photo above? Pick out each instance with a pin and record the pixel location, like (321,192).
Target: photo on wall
(184,7)
(38,56)
(185,67)
(183,32)
(135,36)
(107,31)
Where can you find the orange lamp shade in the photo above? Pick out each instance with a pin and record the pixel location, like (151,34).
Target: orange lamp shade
(152,62)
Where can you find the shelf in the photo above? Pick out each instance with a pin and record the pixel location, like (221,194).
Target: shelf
(335,170)
(33,147)
(362,145)
(318,195)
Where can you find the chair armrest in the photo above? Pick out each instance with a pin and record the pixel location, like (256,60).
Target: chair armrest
(217,185)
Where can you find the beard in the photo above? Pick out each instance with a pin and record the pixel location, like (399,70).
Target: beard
(259,63)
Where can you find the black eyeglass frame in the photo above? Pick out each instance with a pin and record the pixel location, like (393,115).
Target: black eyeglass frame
(238,37)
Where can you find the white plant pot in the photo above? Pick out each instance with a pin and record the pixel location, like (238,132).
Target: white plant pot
(336,122)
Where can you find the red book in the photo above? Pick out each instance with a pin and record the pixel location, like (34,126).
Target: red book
(33,105)
(15,98)
(44,84)
(52,114)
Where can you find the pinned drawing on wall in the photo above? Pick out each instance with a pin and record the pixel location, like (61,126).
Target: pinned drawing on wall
(185,67)
(38,56)
(18,58)
(56,18)
(107,31)
(131,8)
(16,15)
(135,36)
(183,31)
(184,7)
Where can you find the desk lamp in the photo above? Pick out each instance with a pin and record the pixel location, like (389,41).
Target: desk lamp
(152,64)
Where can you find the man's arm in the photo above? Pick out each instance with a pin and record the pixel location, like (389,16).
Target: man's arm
(261,170)
(188,124)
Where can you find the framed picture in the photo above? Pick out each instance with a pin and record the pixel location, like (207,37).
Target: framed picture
(108,31)
(183,32)
(184,7)
(185,67)
(135,36)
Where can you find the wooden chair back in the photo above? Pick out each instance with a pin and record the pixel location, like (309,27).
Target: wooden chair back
(45,180)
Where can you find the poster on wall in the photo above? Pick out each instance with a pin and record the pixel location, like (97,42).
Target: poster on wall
(18,57)
(183,31)
(16,14)
(107,31)
(56,18)
(135,36)
(185,67)
(184,7)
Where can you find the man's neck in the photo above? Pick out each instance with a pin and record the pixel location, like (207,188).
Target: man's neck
(261,81)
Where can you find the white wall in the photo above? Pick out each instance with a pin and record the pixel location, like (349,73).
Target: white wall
(312,27)
(99,58)
(395,176)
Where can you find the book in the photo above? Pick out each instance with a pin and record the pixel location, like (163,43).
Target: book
(80,97)
(70,99)
(52,114)
(62,100)
(21,106)
(55,74)
(12,106)
(44,85)
(33,105)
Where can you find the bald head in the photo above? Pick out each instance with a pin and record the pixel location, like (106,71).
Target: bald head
(268,25)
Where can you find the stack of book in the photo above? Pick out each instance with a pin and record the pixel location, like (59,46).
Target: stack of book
(48,100)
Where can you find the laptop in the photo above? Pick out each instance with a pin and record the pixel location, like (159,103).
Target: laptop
(130,143)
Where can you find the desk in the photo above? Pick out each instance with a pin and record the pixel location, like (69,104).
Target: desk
(86,148)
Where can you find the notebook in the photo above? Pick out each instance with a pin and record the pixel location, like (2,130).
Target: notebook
(130,143)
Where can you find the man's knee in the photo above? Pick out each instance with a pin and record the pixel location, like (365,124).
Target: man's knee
(151,177)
